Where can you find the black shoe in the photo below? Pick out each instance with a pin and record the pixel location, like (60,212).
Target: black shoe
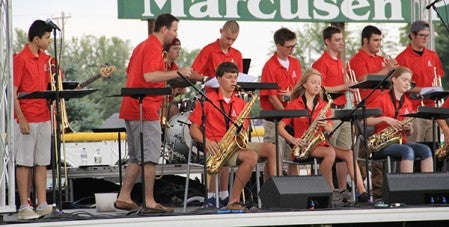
(363,197)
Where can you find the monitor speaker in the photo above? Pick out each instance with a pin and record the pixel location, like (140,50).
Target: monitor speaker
(296,192)
(416,188)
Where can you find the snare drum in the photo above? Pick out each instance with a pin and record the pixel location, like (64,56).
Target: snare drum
(178,135)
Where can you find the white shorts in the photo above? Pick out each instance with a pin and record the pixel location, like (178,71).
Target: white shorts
(35,148)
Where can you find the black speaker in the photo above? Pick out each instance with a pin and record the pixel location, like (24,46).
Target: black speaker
(295,192)
(416,188)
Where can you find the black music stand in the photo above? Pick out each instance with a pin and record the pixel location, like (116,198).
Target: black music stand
(140,94)
(119,131)
(353,115)
(374,81)
(50,96)
(276,116)
(432,113)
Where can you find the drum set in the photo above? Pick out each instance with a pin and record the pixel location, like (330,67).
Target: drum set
(177,141)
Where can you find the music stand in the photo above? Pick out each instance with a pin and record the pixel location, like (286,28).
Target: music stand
(374,81)
(119,131)
(50,96)
(140,94)
(432,113)
(275,116)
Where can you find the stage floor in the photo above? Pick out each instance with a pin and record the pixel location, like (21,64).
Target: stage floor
(364,214)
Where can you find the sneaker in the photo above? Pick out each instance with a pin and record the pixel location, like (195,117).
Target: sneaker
(337,199)
(223,202)
(44,211)
(211,203)
(347,196)
(363,197)
(27,213)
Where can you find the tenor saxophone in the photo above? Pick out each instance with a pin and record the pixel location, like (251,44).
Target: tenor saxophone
(386,137)
(231,141)
(313,136)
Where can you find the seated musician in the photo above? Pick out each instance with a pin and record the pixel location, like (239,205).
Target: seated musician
(217,125)
(394,104)
(308,95)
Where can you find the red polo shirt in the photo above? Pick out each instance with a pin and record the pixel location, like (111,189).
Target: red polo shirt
(211,56)
(332,73)
(215,121)
(445,104)
(422,68)
(274,72)
(385,103)
(301,124)
(32,73)
(363,63)
(146,57)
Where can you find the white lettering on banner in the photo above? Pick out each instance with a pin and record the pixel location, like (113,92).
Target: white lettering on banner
(254,9)
(380,14)
(208,8)
(322,5)
(348,7)
(319,10)
(232,9)
(302,12)
(177,7)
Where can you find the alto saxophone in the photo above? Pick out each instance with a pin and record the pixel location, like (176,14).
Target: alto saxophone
(442,152)
(386,137)
(231,141)
(313,136)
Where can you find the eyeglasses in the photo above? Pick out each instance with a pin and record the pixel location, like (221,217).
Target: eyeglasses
(290,47)
(423,35)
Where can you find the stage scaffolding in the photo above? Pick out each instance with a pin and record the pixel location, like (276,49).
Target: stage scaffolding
(7,177)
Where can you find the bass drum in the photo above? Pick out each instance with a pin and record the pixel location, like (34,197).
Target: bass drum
(178,135)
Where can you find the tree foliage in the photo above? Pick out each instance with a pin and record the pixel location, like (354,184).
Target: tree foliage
(442,47)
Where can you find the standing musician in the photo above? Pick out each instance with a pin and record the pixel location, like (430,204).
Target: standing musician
(206,63)
(284,70)
(308,95)
(394,104)
(368,62)
(33,129)
(217,125)
(427,71)
(146,69)
(331,68)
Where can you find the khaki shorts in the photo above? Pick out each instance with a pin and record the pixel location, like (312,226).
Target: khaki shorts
(35,148)
(269,137)
(342,137)
(422,131)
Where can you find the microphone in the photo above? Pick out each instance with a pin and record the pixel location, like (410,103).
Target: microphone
(52,25)
(431,4)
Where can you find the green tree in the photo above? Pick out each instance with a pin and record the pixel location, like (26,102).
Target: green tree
(442,47)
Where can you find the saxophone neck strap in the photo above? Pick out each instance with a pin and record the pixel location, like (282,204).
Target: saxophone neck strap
(315,103)
(396,105)
(224,111)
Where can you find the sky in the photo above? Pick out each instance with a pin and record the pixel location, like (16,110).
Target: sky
(99,17)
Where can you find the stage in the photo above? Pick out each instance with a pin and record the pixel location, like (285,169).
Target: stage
(363,215)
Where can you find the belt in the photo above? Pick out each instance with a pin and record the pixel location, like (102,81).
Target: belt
(334,106)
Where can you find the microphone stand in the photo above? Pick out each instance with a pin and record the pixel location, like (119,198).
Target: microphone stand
(439,16)
(57,147)
(362,105)
(203,99)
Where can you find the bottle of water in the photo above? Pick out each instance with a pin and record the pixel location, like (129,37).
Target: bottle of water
(97,158)
(83,157)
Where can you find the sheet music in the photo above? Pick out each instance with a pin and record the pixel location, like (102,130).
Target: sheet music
(428,90)
(241,78)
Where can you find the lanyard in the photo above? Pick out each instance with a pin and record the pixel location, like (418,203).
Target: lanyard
(229,114)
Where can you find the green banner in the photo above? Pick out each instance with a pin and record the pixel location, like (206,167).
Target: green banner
(270,10)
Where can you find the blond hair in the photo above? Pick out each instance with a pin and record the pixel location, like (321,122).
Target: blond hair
(299,89)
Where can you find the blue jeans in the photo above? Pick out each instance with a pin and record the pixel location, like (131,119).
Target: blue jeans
(407,151)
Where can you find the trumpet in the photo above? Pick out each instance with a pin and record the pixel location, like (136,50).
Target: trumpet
(350,77)
(165,100)
(436,79)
